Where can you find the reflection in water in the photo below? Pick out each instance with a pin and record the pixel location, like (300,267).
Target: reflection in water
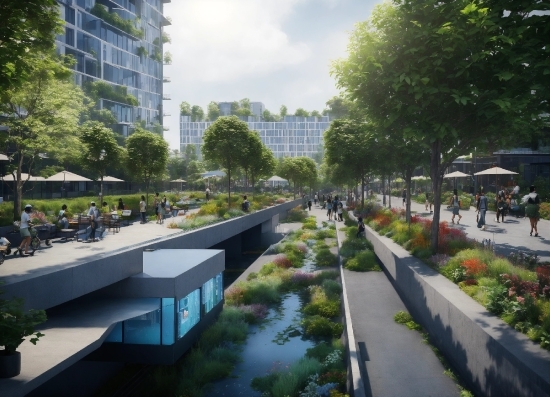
(272,346)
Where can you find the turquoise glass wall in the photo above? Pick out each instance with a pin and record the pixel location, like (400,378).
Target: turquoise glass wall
(212,292)
(168,321)
(189,312)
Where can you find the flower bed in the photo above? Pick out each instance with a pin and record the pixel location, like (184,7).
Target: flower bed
(520,296)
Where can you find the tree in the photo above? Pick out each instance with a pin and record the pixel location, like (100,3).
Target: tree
(147,157)
(283,111)
(299,170)
(185,109)
(213,111)
(267,116)
(223,142)
(250,153)
(28,28)
(315,113)
(235,106)
(197,114)
(263,165)
(244,108)
(190,152)
(41,116)
(338,107)
(301,112)
(101,150)
(428,69)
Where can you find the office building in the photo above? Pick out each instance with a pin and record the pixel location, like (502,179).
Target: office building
(120,43)
(294,136)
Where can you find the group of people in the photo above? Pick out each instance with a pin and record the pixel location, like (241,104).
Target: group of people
(161,205)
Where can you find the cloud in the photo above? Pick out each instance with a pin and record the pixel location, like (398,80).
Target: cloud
(223,41)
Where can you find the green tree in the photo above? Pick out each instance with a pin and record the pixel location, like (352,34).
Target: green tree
(41,116)
(190,153)
(28,28)
(315,113)
(263,165)
(213,111)
(250,153)
(101,150)
(197,114)
(267,116)
(194,170)
(147,157)
(244,108)
(338,107)
(223,142)
(298,170)
(283,111)
(185,109)
(235,106)
(428,68)
(176,167)
(301,112)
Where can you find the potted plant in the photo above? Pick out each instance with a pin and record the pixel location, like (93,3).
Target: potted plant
(15,326)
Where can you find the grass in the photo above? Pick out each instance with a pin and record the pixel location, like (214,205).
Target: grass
(364,261)
(325,258)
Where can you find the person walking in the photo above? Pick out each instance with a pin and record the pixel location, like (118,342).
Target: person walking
(207,193)
(456,208)
(360,227)
(315,198)
(532,209)
(309,204)
(142,209)
(156,204)
(329,209)
(340,211)
(404,195)
(25,232)
(501,208)
(482,206)
(93,213)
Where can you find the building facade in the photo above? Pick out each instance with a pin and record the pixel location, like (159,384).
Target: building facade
(120,43)
(293,137)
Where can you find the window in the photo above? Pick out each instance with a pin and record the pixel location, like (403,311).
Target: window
(144,329)
(189,312)
(69,36)
(212,293)
(168,317)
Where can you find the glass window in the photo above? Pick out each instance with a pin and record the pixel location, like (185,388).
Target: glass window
(168,321)
(116,334)
(212,293)
(189,312)
(69,36)
(144,329)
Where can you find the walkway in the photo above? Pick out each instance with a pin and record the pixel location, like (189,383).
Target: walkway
(394,361)
(509,236)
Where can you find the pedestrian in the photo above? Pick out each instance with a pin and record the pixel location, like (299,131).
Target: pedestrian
(207,193)
(142,209)
(323,198)
(329,209)
(532,209)
(120,205)
(62,217)
(482,206)
(309,204)
(156,204)
(335,203)
(360,227)
(427,201)
(93,213)
(456,207)
(340,211)
(501,208)
(315,199)
(404,195)
(25,232)
(245,205)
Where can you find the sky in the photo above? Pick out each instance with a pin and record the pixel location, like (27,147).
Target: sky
(271,51)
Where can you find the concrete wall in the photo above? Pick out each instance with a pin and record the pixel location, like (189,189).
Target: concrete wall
(494,359)
(49,290)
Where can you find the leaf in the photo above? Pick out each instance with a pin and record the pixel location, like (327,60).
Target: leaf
(505,76)
(408,80)
(425,80)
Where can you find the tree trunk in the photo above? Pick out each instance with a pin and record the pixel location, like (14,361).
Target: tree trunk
(18,190)
(229,188)
(389,189)
(437,180)
(408,176)
(383,191)
(362,192)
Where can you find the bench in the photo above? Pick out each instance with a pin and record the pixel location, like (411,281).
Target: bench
(66,234)
(126,216)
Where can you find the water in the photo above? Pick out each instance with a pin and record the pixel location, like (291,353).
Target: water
(273,345)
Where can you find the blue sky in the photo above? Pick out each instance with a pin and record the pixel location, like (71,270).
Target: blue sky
(273,51)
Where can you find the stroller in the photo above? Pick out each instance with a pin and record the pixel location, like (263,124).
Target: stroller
(5,249)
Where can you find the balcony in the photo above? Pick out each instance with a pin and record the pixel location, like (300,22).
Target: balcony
(166,97)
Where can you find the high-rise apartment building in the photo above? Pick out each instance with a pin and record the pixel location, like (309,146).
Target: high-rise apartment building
(292,137)
(118,49)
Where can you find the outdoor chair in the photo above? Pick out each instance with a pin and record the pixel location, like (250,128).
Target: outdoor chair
(113,222)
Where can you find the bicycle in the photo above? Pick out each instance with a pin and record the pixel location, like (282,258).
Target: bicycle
(35,240)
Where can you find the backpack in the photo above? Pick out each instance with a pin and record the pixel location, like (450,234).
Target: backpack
(245,205)
(361,227)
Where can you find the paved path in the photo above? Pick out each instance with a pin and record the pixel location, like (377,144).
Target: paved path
(510,235)
(394,361)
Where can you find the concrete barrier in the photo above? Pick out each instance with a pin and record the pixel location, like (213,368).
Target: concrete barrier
(491,357)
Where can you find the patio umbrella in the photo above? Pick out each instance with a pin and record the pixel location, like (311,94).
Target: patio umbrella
(66,176)
(217,173)
(496,171)
(111,179)
(456,174)
(276,178)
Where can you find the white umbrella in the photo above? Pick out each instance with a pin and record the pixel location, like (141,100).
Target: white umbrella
(111,179)
(496,171)
(217,173)
(420,178)
(456,174)
(178,181)
(66,176)
(276,178)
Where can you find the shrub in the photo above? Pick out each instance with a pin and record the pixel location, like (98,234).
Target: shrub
(353,245)
(321,326)
(263,291)
(253,313)
(326,308)
(310,223)
(325,258)
(268,269)
(326,275)
(295,215)
(319,352)
(303,279)
(474,267)
(363,262)
(282,261)
(405,318)
(331,287)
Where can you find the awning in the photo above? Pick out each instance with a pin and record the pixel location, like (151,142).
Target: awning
(111,179)
(456,174)
(66,176)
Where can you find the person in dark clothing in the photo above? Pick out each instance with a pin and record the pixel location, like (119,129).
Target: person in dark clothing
(309,204)
(482,206)
(120,205)
(501,208)
(360,227)
(532,209)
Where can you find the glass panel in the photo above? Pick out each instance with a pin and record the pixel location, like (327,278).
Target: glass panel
(143,330)
(212,292)
(116,334)
(189,312)
(168,324)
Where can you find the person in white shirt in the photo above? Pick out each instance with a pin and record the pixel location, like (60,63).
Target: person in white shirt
(93,213)
(25,232)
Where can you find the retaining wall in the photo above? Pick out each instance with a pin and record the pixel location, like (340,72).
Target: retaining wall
(494,359)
